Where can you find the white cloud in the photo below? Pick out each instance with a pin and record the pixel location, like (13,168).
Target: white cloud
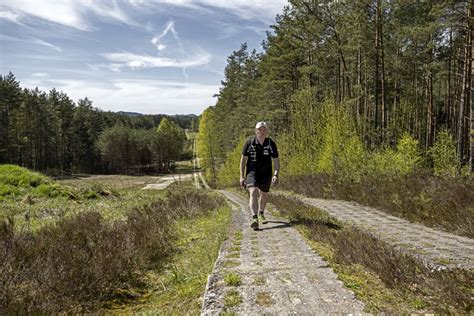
(35,41)
(135,61)
(263,10)
(157,39)
(40,75)
(10,16)
(144,96)
(71,13)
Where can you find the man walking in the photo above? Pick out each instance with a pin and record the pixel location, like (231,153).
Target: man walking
(256,161)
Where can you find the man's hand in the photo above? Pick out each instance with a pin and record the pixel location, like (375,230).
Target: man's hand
(242,182)
(275,180)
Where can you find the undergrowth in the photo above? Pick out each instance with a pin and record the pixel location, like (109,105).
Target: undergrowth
(385,278)
(76,264)
(440,202)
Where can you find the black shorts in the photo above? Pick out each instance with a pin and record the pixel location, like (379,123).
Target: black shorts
(263,183)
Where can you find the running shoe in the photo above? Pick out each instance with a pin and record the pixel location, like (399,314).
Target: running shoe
(262,218)
(254,224)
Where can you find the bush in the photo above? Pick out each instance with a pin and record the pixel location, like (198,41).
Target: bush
(229,173)
(21,177)
(446,291)
(445,203)
(78,263)
(443,154)
(405,159)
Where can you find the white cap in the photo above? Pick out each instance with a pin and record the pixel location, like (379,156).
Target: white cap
(261,124)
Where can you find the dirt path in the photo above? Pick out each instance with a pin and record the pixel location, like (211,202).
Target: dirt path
(280,273)
(164,182)
(437,249)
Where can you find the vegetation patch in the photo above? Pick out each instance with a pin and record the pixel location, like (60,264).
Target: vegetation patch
(232,279)
(383,277)
(232,298)
(81,262)
(264,299)
(259,280)
(231,263)
(234,248)
(440,202)
(233,255)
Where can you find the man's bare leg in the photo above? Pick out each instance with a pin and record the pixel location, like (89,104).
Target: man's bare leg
(254,200)
(262,201)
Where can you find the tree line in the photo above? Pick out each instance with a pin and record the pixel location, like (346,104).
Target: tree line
(359,76)
(50,132)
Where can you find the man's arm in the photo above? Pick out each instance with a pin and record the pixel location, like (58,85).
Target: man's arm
(243,163)
(276,163)
(276,172)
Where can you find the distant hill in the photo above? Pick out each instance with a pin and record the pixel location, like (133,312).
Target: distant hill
(189,121)
(130,113)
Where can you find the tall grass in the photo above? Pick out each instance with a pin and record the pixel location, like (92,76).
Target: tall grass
(440,202)
(408,278)
(78,263)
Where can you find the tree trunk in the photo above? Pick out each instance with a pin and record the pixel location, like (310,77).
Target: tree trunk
(383,110)
(377,66)
(465,91)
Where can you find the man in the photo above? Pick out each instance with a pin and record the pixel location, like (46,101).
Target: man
(256,161)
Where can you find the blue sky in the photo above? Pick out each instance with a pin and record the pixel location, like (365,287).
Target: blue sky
(164,56)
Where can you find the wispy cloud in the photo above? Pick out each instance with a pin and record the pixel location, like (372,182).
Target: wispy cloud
(157,40)
(35,41)
(135,61)
(145,96)
(263,10)
(10,16)
(71,13)
(40,75)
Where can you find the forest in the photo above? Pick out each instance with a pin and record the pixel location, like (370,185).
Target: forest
(351,88)
(51,133)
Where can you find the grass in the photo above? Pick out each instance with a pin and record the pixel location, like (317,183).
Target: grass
(177,290)
(380,275)
(439,202)
(264,299)
(76,255)
(43,201)
(232,279)
(231,263)
(233,255)
(259,280)
(232,298)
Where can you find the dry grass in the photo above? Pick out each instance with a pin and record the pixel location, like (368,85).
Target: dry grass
(445,203)
(78,263)
(406,277)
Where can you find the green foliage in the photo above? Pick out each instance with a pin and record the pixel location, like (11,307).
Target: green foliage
(21,177)
(16,181)
(124,148)
(170,142)
(299,147)
(229,173)
(443,154)
(405,159)
(208,145)
(232,279)
(341,150)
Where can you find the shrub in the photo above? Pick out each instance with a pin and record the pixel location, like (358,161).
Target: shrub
(21,177)
(229,173)
(444,290)
(443,154)
(341,150)
(405,159)
(78,263)
(422,197)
